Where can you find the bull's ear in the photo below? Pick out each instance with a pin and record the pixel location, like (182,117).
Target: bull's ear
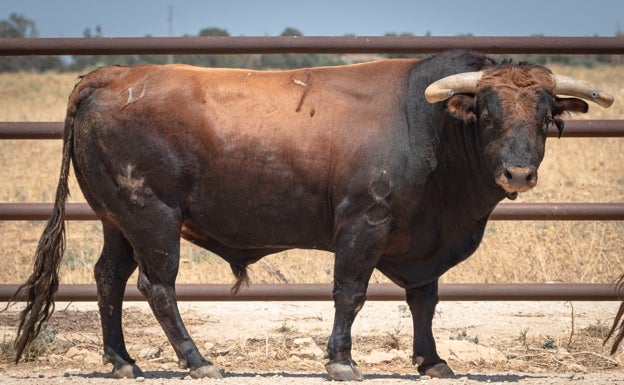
(570,105)
(462,107)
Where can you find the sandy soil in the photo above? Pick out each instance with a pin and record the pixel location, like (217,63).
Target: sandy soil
(283,343)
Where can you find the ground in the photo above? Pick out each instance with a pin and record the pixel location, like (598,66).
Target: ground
(283,343)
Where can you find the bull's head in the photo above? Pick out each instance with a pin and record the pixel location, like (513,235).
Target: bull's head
(513,107)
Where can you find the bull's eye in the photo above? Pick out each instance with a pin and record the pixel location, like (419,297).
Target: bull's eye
(485,118)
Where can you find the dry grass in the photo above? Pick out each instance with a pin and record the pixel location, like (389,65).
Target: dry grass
(575,170)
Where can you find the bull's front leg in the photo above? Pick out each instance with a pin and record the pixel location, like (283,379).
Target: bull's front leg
(354,266)
(422,302)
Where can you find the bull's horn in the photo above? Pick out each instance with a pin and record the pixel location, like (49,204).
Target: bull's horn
(565,85)
(464,83)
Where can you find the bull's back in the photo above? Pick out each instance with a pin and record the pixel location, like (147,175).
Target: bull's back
(248,155)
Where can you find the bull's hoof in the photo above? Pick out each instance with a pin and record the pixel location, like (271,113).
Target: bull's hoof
(441,370)
(127,371)
(206,371)
(344,372)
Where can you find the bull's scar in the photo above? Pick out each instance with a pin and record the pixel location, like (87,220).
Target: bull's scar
(132,99)
(306,88)
(300,83)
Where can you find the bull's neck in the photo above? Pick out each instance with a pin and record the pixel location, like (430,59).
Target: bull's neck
(462,180)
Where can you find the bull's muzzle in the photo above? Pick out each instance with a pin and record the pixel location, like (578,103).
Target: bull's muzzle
(516,179)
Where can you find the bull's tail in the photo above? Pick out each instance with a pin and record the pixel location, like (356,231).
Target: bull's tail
(43,283)
(618,322)
(39,290)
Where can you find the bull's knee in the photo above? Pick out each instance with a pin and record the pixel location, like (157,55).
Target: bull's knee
(350,299)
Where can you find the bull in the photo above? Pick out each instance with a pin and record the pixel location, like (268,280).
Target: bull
(393,165)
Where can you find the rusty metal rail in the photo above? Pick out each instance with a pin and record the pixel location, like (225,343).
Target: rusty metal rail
(573,129)
(376,292)
(502,212)
(307,44)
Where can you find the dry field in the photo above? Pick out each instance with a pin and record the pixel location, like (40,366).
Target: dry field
(574,170)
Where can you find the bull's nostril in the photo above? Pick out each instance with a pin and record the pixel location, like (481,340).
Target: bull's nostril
(519,177)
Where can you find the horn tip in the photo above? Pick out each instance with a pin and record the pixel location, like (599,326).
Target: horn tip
(605,100)
(435,94)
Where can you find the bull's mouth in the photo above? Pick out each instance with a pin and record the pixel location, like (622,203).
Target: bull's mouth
(512,196)
(516,179)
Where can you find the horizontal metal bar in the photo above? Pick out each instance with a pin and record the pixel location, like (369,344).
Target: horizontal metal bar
(376,292)
(610,128)
(31,130)
(42,211)
(573,129)
(559,211)
(309,44)
(504,211)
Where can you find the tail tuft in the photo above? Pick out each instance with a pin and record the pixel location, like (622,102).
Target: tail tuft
(39,290)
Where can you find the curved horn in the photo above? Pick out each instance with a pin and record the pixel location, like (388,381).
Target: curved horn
(565,85)
(464,83)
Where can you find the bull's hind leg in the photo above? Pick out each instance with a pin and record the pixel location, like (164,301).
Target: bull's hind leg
(112,271)
(157,250)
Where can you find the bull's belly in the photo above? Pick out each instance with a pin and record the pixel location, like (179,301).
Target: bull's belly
(251,227)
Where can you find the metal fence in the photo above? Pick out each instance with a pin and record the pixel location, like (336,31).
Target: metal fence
(394,45)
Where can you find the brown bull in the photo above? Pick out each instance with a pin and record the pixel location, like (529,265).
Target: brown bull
(394,165)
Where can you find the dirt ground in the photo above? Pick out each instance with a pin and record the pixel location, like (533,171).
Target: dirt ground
(283,343)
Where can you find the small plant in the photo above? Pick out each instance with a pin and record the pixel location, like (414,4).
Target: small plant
(285,328)
(39,347)
(462,335)
(395,339)
(598,330)
(404,311)
(522,338)
(549,343)
(7,350)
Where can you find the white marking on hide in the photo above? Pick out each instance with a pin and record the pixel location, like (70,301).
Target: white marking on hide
(132,99)
(300,83)
(133,185)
